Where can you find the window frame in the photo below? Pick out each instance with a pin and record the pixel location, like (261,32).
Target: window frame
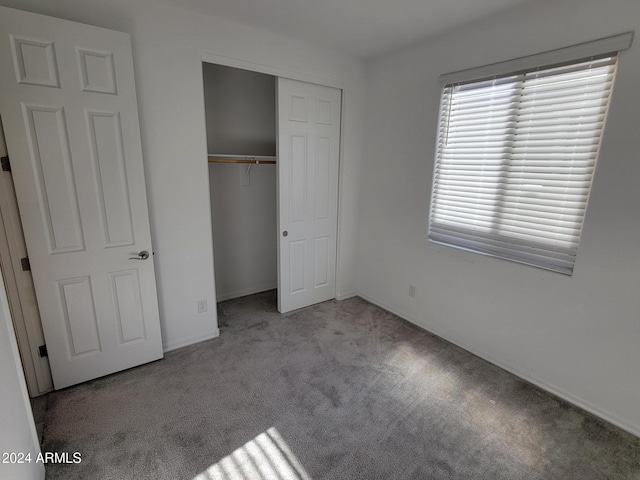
(477,76)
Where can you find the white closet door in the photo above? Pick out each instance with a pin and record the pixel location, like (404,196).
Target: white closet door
(69,109)
(308,158)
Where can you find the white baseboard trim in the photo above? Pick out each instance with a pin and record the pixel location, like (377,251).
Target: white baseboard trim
(558,392)
(344,296)
(185,342)
(244,292)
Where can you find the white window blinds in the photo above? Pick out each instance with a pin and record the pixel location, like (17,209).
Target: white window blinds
(515,161)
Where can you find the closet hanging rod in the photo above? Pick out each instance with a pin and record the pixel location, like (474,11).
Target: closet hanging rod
(250,159)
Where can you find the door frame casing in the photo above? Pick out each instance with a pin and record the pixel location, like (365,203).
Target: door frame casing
(29,336)
(210,57)
(27,342)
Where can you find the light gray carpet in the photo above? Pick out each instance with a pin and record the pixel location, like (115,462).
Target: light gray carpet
(341,390)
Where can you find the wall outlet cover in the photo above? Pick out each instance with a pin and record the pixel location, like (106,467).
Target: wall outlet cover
(202,306)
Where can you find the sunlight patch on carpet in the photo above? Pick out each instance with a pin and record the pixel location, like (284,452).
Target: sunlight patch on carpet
(479,411)
(266,457)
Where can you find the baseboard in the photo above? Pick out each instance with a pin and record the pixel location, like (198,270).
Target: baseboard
(344,296)
(243,293)
(554,390)
(185,342)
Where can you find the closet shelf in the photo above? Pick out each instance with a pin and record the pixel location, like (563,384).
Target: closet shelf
(250,159)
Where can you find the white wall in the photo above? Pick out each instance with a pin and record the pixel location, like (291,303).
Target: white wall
(17,429)
(244,229)
(168,43)
(240,110)
(577,336)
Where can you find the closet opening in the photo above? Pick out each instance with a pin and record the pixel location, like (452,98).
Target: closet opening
(241,117)
(273,154)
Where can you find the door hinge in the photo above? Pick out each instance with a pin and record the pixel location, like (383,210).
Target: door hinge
(6,166)
(26,265)
(42,351)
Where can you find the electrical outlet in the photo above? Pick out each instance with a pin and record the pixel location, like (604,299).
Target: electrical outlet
(202,306)
(412,290)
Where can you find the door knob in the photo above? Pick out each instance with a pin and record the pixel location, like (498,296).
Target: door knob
(285,233)
(143,255)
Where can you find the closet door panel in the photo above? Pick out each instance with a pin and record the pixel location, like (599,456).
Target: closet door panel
(323,178)
(308,160)
(297,184)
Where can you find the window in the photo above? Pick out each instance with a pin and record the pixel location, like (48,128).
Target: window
(515,159)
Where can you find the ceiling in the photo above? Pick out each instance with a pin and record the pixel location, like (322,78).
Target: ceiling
(363,28)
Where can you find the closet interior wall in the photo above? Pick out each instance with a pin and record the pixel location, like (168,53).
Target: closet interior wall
(240,108)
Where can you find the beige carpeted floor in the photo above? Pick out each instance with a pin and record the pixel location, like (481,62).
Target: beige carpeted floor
(341,390)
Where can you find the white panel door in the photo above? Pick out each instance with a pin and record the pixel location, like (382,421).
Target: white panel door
(69,109)
(308,159)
